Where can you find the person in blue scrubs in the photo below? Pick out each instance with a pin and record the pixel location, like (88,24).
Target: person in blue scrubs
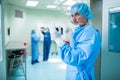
(46,44)
(34,47)
(85,44)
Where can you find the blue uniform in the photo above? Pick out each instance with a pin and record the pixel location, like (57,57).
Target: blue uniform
(46,45)
(34,46)
(82,52)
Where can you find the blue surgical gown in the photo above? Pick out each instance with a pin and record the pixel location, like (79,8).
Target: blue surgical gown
(46,45)
(34,46)
(82,52)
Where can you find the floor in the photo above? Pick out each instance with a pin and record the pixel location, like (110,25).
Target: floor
(53,69)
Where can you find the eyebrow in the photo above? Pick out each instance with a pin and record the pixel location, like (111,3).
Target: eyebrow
(75,14)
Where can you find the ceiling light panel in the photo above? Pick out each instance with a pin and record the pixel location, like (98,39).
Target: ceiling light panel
(51,6)
(61,0)
(69,2)
(32,3)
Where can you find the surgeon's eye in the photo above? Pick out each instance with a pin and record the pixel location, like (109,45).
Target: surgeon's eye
(75,14)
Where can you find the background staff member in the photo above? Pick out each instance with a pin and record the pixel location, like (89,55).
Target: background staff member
(46,43)
(34,47)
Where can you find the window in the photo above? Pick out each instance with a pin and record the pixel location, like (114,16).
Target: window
(114,30)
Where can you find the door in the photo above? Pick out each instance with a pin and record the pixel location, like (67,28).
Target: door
(0,36)
(110,60)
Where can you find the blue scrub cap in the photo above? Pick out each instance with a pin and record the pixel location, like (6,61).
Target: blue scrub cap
(82,9)
(33,32)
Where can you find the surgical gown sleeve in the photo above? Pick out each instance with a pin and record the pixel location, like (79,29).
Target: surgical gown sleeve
(84,48)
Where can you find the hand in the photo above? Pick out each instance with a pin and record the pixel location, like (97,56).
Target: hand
(57,37)
(55,34)
(65,36)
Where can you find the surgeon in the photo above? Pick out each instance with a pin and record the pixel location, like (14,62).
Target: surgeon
(46,43)
(34,47)
(84,47)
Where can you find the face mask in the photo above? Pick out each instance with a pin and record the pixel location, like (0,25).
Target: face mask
(46,30)
(74,27)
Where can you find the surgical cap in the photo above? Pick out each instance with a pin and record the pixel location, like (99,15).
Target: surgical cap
(33,32)
(82,9)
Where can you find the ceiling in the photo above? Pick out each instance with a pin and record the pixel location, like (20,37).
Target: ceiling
(43,3)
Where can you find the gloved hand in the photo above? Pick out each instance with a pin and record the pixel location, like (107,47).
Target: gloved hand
(57,37)
(66,38)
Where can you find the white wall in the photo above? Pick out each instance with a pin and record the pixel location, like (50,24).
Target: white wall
(3,74)
(7,22)
(21,27)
